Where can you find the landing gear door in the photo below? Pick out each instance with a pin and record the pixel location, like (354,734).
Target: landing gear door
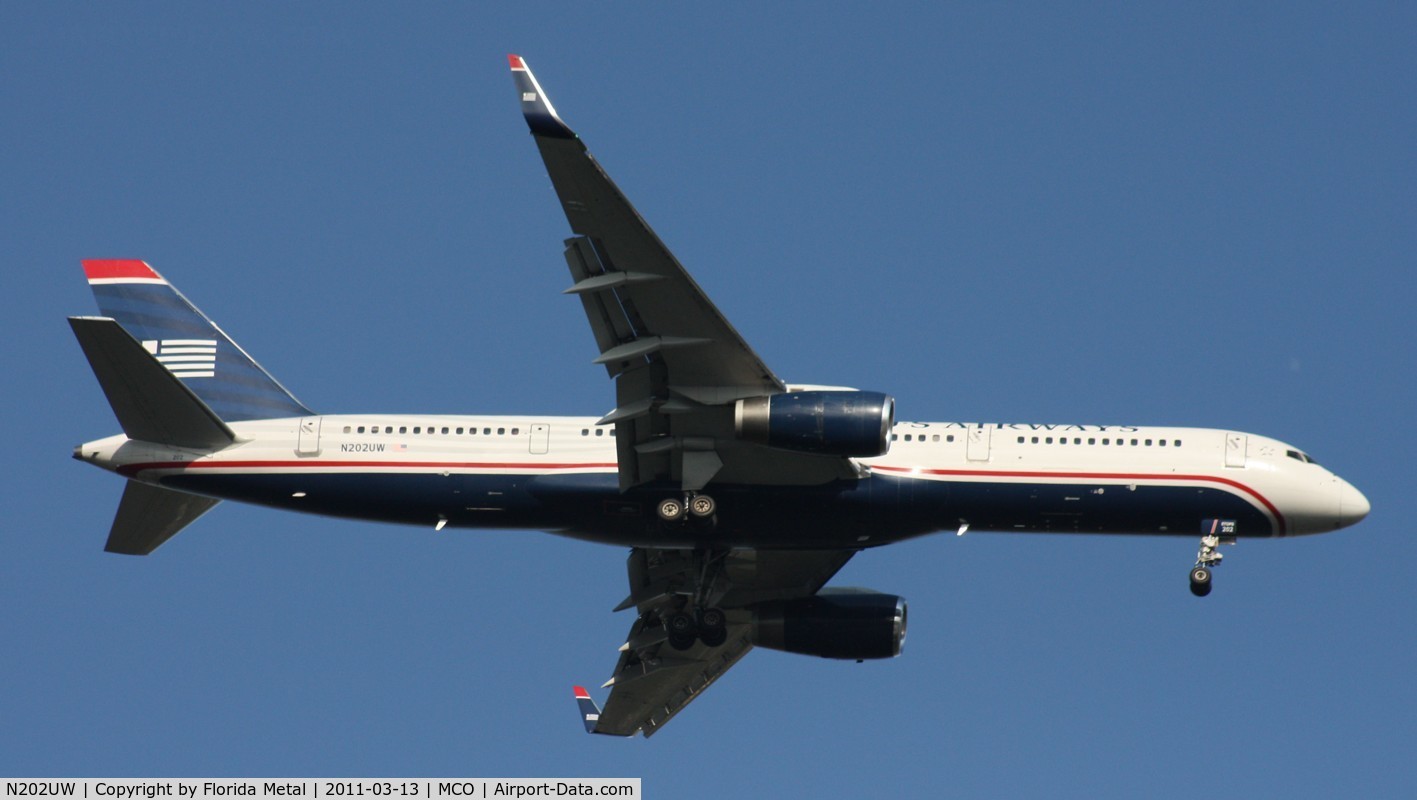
(309,442)
(977,442)
(1235,449)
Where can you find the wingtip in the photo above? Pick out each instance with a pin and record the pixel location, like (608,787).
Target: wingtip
(590,710)
(540,115)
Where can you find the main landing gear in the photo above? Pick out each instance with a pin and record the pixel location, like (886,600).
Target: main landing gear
(1206,559)
(698,617)
(674,509)
(709,626)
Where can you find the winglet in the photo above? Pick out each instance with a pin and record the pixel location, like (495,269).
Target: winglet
(536,106)
(589,710)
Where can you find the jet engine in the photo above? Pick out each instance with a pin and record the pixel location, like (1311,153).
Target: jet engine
(837,423)
(835,623)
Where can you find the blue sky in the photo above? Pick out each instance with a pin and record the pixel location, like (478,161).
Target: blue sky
(1190,214)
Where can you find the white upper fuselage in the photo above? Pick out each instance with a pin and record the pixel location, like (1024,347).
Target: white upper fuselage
(1297,495)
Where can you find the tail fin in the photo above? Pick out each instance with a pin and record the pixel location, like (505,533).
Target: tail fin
(187,343)
(152,404)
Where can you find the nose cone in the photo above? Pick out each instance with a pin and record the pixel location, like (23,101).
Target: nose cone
(1352,505)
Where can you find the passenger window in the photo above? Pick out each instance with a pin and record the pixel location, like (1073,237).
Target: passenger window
(1092,441)
(501,431)
(1035,440)
(935,438)
(460,431)
(516,431)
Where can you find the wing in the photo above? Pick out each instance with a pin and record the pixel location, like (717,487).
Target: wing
(678,365)
(654,679)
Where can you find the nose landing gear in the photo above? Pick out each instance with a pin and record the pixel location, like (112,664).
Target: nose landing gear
(1200,580)
(1207,559)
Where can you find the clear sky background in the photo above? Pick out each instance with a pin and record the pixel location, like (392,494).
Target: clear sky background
(1192,214)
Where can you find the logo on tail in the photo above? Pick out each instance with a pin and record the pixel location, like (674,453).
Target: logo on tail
(185,358)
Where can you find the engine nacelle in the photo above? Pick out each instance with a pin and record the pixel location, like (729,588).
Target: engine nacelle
(835,623)
(837,423)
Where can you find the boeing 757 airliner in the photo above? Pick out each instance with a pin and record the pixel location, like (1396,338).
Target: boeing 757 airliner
(739,495)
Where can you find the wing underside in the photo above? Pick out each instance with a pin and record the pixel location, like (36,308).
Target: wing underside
(654,679)
(680,370)
(678,364)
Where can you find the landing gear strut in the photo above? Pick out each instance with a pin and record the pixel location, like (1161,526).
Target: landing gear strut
(1206,559)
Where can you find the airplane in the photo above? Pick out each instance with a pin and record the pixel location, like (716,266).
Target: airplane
(739,495)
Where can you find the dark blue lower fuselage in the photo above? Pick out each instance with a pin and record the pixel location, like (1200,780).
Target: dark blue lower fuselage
(876,510)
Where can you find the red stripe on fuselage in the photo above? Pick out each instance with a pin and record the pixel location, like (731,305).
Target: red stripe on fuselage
(133,469)
(1113,476)
(110,268)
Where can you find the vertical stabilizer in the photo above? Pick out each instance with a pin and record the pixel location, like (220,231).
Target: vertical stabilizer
(187,343)
(150,402)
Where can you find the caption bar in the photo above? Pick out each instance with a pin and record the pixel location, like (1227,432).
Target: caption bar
(311,788)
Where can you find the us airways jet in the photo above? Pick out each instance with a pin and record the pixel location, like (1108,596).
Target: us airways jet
(739,495)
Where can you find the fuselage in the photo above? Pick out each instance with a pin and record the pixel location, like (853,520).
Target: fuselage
(559,474)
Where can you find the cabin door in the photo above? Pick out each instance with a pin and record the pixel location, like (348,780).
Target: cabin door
(977,442)
(309,442)
(1235,449)
(540,439)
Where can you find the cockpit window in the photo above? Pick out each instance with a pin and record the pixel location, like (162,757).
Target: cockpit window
(1298,456)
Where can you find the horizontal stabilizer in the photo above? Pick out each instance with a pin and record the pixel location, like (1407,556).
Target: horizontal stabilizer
(150,515)
(151,403)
